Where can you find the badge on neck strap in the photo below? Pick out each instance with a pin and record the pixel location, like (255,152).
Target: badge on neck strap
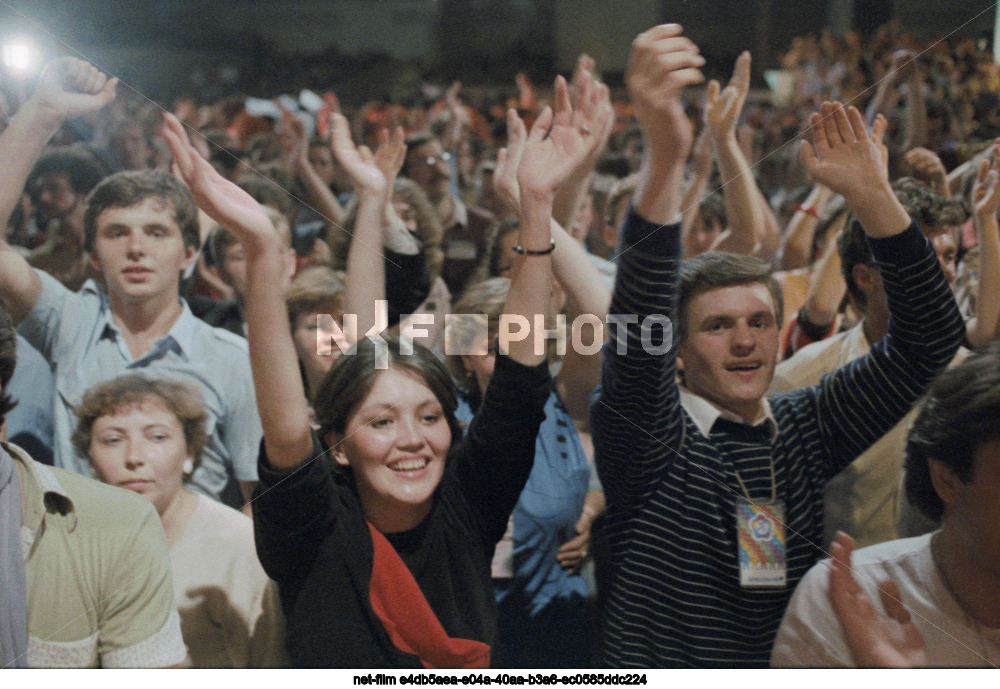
(761,542)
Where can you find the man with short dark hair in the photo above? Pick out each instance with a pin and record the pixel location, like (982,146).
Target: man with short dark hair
(714,493)
(938,594)
(140,232)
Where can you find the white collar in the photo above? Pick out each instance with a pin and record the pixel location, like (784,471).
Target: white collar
(705,413)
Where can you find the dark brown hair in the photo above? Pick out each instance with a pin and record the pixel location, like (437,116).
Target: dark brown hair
(960,414)
(130,188)
(352,376)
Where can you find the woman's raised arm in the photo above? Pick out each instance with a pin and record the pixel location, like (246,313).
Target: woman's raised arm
(281,399)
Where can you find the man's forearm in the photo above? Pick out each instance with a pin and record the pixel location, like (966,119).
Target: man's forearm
(658,195)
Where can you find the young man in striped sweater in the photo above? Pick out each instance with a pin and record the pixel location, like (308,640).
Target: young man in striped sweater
(714,493)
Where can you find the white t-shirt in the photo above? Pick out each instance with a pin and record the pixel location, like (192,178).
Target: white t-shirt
(810,634)
(230,614)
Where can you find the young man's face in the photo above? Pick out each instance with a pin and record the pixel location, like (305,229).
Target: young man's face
(140,250)
(730,347)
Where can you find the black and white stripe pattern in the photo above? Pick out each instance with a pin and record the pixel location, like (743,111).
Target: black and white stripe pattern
(671,594)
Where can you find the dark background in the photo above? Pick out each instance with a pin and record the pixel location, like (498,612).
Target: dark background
(375,48)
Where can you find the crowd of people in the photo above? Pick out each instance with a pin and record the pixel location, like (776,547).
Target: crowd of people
(560,379)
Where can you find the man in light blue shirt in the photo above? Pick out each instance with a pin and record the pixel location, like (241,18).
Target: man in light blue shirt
(140,232)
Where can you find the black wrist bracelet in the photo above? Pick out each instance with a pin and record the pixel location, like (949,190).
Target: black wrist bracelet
(518,249)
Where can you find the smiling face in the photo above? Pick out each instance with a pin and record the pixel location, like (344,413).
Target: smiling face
(730,347)
(395,443)
(141,448)
(140,251)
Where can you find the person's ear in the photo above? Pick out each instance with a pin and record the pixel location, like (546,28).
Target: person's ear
(95,262)
(190,256)
(946,483)
(335,442)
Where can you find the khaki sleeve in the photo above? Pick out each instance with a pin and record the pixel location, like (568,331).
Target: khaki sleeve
(139,625)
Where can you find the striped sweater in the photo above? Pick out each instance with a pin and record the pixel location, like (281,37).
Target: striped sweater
(670,575)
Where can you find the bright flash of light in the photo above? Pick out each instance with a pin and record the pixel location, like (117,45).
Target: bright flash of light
(20,55)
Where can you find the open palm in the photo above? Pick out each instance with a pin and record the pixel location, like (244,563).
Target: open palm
(549,158)
(357,161)
(227,204)
(875,639)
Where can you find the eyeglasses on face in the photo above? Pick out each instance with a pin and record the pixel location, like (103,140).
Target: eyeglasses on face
(444,157)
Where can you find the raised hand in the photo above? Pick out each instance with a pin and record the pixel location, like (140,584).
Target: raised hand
(508,159)
(875,639)
(458,118)
(224,202)
(70,87)
(701,152)
(879,128)
(986,191)
(358,162)
(844,157)
(722,111)
(390,154)
(583,71)
(662,63)
(560,141)
(292,133)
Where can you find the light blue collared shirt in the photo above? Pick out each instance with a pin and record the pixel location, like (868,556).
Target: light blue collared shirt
(78,337)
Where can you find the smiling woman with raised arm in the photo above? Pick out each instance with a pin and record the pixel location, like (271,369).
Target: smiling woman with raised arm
(386,563)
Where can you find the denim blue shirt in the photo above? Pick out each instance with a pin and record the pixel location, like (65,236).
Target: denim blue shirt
(78,337)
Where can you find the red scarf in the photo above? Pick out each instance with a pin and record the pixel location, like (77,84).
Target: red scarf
(407,616)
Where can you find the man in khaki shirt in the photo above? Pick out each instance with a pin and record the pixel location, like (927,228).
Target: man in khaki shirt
(99,591)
